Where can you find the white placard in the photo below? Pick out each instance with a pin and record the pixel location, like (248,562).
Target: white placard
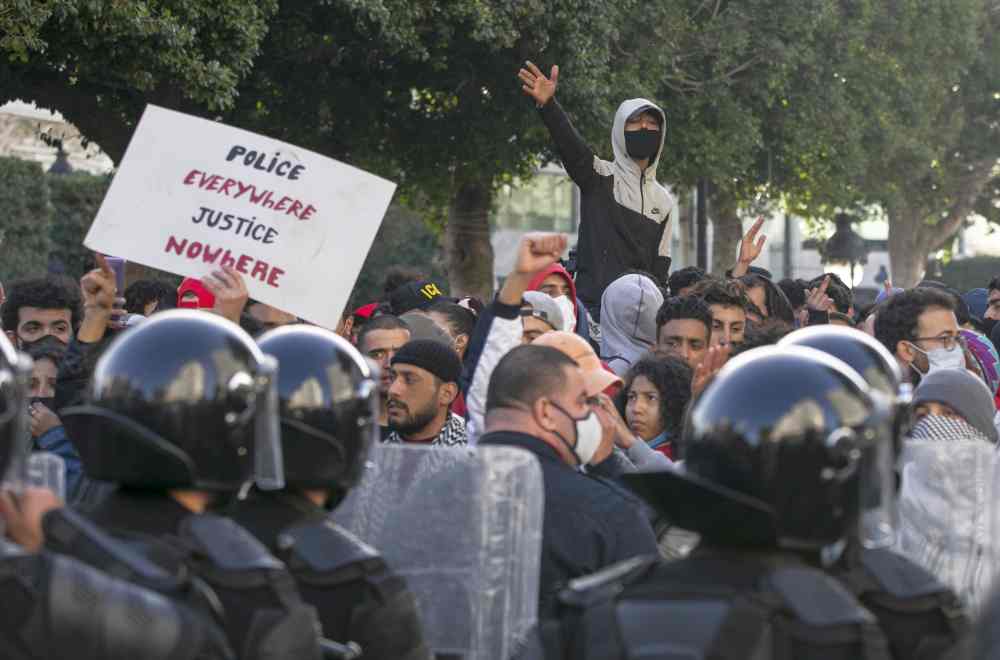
(191,194)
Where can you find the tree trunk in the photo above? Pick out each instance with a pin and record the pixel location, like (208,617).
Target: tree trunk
(908,249)
(727,230)
(469,253)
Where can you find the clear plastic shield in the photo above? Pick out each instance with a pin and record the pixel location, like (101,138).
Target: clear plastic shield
(464,527)
(948,513)
(269,466)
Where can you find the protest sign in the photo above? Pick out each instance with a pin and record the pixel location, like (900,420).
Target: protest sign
(191,195)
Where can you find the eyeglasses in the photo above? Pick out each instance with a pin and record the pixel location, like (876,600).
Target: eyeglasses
(948,341)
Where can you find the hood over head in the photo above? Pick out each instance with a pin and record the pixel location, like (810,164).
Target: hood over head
(628,320)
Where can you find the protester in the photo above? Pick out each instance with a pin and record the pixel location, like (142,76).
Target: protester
(624,212)
(501,326)
(325,392)
(728,303)
(557,283)
(145,297)
(539,400)
(795,292)
(539,314)
(920,329)
(948,469)
(411,296)
(992,311)
(424,385)
(628,320)
(684,329)
(456,320)
(41,307)
(193,294)
(655,398)
(985,359)
(380,339)
(768,299)
(682,280)
(837,291)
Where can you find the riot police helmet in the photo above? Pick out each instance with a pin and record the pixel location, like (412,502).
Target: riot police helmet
(892,396)
(184,400)
(771,453)
(326,394)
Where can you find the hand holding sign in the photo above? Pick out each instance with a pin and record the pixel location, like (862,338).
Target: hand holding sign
(230,291)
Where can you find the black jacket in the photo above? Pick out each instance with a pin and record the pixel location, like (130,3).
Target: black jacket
(358,598)
(589,523)
(624,213)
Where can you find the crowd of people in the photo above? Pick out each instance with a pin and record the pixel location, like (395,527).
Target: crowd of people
(732,467)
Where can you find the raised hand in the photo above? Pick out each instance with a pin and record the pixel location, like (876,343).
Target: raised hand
(710,365)
(230,292)
(750,248)
(99,291)
(536,85)
(817,299)
(536,252)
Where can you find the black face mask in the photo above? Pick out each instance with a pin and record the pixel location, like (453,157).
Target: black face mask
(643,143)
(50,342)
(47,401)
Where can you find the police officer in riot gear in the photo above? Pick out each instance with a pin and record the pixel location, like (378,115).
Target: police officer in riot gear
(326,393)
(56,607)
(771,478)
(921,617)
(180,413)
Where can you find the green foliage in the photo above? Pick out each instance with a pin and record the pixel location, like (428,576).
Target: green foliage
(99,63)
(76,199)
(404,240)
(25,217)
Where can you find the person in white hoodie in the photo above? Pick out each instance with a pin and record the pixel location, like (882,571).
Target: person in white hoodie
(948,468)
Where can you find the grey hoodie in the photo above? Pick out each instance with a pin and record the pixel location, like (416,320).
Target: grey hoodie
(628,320)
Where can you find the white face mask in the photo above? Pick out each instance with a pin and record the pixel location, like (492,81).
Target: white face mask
(942,358)
(589,434)
(568,311)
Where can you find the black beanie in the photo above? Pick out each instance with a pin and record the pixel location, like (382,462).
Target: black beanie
(433,356)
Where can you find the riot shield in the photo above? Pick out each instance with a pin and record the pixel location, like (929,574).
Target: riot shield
(947,511)
(464,527)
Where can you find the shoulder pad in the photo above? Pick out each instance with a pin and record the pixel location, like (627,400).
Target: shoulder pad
(227,545)
(899,576)
(818,599)
(324,546)
(607,583)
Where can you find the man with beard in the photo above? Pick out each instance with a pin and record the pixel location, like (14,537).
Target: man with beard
(380,339)
(424,384)
(920,329)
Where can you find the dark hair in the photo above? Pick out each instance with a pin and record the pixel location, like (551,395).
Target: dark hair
(683,307)
(897,316)
(51,292)
(526,374)
(384,322)
(794,290)
(671,376)
(775,300)
(994,284)
(460,320)
(685,277)
(729,293)
(397,276)
(140,293)
(962,313)
(839,292)
(767,333)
